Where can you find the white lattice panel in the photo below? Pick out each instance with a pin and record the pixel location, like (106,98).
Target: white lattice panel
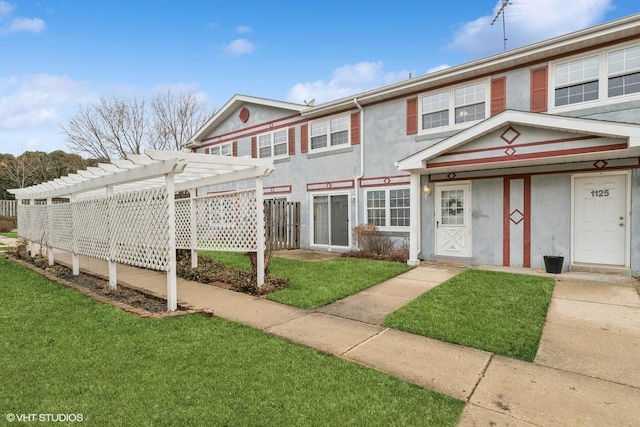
(183,224)
(91,228)
(140,231)
(39,226)
(24,221)
(227,222)
(61,233)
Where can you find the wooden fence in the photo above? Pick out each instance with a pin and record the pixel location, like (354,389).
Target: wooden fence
(282,224)
(8,208)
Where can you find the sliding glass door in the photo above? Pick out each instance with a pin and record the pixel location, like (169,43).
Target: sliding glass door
(331,220)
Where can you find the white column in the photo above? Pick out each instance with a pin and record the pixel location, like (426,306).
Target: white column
(32,245)
(113,267)
(194,229)
(50,227)
(415,202)
(260,230)
(172,292)
(75,259)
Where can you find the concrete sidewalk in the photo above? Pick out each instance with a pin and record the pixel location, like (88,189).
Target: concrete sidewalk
(586,371)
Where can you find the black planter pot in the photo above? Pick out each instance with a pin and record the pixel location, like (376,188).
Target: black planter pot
(553,264)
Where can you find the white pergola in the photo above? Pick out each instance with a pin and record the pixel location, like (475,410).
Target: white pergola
(125,211)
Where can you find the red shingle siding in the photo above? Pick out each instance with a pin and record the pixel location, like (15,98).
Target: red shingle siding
(292,141)
(355,128)
(304,138)
(254,147)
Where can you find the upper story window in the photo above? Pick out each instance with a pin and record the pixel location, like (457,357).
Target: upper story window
(388,208)
(601,77)
(454,106)
(222,149)
(624,71)
(577,81)
(273,144)
(329,133)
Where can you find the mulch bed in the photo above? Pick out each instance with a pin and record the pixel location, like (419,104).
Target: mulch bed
(125,298)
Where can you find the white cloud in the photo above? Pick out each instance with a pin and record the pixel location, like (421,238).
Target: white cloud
(33,107)
(526,22)
(347,80)
(438,68)
(243,29)
(239,47)
(30,25)
(19,23)
(5,9)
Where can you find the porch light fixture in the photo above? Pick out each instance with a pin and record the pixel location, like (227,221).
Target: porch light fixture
(427,190)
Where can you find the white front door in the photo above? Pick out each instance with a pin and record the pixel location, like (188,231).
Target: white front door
(453,220)
(600,219)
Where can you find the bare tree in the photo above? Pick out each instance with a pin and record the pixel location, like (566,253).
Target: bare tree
(175,118)
(111,128)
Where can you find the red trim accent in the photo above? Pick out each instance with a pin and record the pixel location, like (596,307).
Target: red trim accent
(412,116)
(234,149)
(498,95)
(304,138)
(538,95)
(506,222)
(278,189)
(546,154)
(244,115)
(383,181)
(331,185)
(268,124)
(527,144)
(355,128)
(526,256)
(254,147)
(467,178)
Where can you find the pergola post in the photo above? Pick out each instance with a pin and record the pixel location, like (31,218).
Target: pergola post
(260,230)
(75,258)
(50,226)
(194,228)
(172,293)
(113,266)
(32,245)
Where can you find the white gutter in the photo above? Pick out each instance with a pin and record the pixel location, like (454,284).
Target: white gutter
(361,174)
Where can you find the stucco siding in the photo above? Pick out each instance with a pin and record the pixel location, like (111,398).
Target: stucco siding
(486,227)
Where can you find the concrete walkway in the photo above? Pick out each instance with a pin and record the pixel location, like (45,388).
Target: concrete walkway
(586,371)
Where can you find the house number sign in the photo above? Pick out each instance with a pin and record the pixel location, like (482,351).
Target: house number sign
(600,193)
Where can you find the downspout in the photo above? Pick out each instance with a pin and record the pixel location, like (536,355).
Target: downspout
(361,174)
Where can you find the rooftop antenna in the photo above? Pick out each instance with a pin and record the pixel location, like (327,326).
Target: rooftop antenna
(505,3)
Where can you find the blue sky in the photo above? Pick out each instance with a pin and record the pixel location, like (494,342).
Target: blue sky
(57,54)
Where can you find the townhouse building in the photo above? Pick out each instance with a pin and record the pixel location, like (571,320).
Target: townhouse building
(497,161)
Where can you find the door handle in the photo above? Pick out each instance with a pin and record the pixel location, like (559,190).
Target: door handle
(437,224)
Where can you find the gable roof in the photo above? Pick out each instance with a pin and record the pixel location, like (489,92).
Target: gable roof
(231,107)
(612,32)
(629,132)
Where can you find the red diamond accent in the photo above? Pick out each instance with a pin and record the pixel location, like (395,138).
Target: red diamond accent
(600,164)
(387,180)
(516,216)
(510,151)
(328,185)
(451,175)
(510,135)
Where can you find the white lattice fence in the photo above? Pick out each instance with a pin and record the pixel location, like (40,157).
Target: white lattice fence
(226,222)
(61,233)
(91,228)
(140,231)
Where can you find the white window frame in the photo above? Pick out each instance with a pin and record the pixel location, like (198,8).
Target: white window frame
(603,79)
(319,128)
(449,101)
(222,147)
(269,138)
(387,208)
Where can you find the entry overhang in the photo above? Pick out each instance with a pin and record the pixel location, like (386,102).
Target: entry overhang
(497,143)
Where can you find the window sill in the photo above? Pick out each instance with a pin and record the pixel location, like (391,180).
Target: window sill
(329,151)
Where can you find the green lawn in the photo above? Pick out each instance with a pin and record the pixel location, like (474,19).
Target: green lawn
(62,352)
(10,234)
(498,312)
(317,283)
